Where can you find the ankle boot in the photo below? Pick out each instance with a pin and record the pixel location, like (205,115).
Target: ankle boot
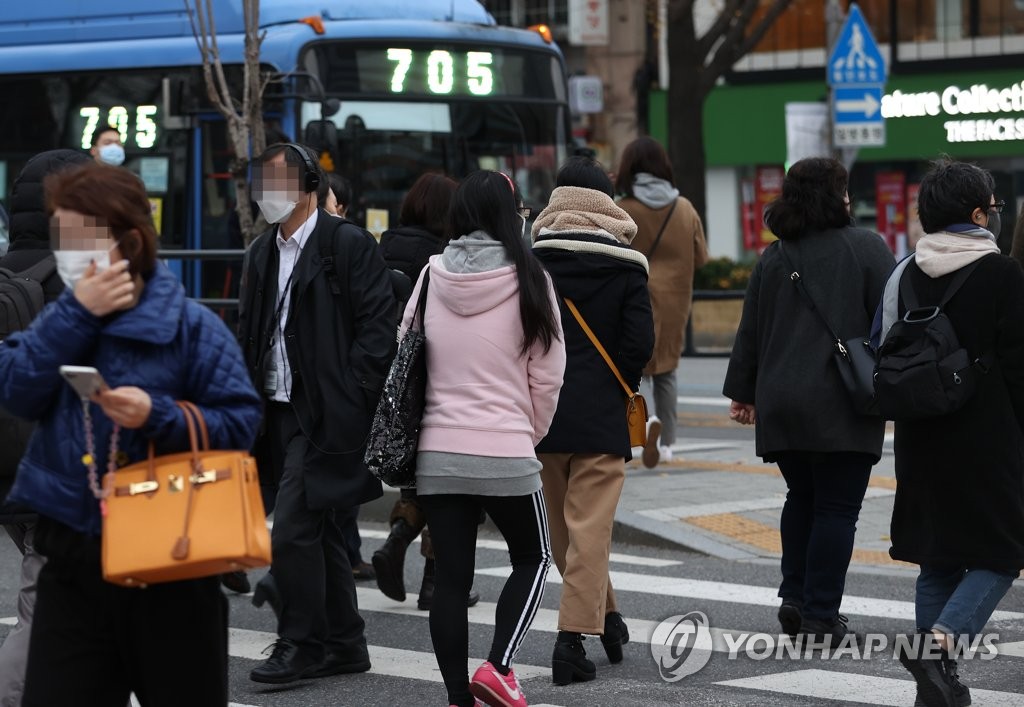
(427,587)
(389,560)
(569,662)
(616,635)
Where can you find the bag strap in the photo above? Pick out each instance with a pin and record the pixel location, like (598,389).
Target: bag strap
(41,271)
(193,419)
(421,303)
(661,231)
(597,344)
(911,300)
(798,280)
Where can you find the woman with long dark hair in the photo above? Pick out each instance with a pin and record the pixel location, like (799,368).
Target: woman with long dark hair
(495,360)
(782,376)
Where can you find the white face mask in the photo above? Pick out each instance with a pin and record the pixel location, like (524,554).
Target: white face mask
(72,264)
(275,206)
(112,154)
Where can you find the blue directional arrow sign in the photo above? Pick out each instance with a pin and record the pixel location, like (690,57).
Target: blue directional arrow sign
(858,104)
(856,58)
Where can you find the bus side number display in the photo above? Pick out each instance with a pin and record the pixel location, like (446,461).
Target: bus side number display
(441,71)
(119,118)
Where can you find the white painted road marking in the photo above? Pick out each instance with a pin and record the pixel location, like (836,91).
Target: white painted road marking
(674,513)
(854,687)
(742,594)
(711,401)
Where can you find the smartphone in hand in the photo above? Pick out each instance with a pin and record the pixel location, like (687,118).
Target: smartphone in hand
(86,380)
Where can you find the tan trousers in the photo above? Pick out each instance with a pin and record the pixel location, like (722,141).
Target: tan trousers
(581,492)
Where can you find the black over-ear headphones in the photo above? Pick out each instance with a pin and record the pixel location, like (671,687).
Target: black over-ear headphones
(311,179)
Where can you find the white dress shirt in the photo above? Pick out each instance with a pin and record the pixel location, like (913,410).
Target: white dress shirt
(289,251)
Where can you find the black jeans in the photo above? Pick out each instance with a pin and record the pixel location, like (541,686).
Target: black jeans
(818,525)
(453,520)
(93,642)
(310,566)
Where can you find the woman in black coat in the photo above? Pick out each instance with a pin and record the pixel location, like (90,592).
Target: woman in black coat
(583,237)
(421,233)
(959,510)
(782,376)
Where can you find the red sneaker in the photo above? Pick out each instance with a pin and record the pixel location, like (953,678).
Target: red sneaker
(497,690)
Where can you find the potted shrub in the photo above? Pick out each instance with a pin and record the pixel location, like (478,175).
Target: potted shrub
(719,287)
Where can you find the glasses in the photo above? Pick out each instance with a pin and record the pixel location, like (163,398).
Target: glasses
(997,207)
(526,212)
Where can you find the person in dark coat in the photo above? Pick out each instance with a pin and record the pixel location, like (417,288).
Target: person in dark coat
(959,512)
(30,246)
(782,377)
(422,232)
(583,238)
(317,326)
(129,319)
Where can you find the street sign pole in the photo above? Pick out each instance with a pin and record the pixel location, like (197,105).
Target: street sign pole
(856,73)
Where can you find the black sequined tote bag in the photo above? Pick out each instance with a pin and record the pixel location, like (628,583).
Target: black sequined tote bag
(395,432)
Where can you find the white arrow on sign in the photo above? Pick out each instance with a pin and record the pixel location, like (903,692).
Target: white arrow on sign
(867,105)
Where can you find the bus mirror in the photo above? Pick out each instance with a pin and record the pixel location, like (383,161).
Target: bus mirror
(321,135)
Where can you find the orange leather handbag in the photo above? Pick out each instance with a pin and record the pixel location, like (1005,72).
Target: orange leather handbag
(183,516)
(636,406)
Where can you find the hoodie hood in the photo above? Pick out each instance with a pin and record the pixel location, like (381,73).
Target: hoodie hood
(474,252)
(653,192)
(29,220)
(579,210)
(472,292)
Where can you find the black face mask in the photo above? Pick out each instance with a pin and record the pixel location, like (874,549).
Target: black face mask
(995,223)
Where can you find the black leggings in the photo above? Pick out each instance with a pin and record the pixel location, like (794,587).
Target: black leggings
(453,519)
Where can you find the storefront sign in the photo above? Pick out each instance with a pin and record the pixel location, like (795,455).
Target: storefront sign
(767,188)
(588,22)
(891,206)
(979,99)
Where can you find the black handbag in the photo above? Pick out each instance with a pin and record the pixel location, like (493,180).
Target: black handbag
(855,358)
(395,431)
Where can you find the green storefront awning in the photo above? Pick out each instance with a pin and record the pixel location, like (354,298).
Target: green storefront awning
(746,125)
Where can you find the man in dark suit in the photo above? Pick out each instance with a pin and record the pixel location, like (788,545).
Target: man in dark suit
(317,325)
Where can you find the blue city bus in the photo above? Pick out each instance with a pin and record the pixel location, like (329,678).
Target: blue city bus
(386,90)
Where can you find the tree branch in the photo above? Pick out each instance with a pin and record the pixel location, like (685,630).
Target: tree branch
(718,28)
(726,55)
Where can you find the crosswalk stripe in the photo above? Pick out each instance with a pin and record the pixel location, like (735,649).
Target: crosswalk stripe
(742,594)
(716,402)
(674,513)
(1015,649)
(500,545)
(393,662)
(856,687)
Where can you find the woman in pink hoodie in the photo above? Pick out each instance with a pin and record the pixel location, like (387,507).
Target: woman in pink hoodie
(495,359)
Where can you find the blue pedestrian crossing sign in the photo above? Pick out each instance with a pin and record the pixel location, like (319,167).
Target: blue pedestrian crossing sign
(857,104)
(856,58)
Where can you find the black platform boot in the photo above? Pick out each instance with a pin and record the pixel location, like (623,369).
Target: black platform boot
(389,560)
(616,635)
(569,662)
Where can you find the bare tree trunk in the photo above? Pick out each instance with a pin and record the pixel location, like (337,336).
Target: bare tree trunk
(686,149)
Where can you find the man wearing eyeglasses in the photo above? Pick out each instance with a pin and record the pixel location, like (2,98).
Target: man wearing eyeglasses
(958,512)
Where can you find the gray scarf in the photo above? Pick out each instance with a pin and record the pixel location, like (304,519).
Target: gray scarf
(653,192)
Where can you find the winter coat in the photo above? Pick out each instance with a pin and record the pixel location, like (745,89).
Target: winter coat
(960,478)
(608,285)
(169,346)
(340,339)
(483,397)
(681,251)
(782,357)
(408,248)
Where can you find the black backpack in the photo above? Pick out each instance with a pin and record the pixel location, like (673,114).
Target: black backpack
(21,299)
(922,369)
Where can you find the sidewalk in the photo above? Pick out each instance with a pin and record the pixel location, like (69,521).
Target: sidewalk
(718,498)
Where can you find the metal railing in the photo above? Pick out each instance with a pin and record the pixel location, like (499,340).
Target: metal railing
(202,256)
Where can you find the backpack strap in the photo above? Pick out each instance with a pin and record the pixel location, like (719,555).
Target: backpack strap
(41,271)
(327,258)
(911,300)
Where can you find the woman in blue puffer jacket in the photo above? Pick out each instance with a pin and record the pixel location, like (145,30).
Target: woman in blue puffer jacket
(126,315)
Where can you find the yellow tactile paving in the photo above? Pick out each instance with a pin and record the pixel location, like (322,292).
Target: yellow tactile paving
(766,538)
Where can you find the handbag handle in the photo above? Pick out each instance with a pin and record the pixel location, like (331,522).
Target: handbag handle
(597,344)
(193,419)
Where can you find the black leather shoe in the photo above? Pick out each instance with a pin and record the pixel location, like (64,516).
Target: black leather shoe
(426,597)
(237,582)
(826,634)
(389,560)
(790,617)
(355,661)
(934,688)
(266,593)
(363,571)
(616,635)
(287,663)
(569,662)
